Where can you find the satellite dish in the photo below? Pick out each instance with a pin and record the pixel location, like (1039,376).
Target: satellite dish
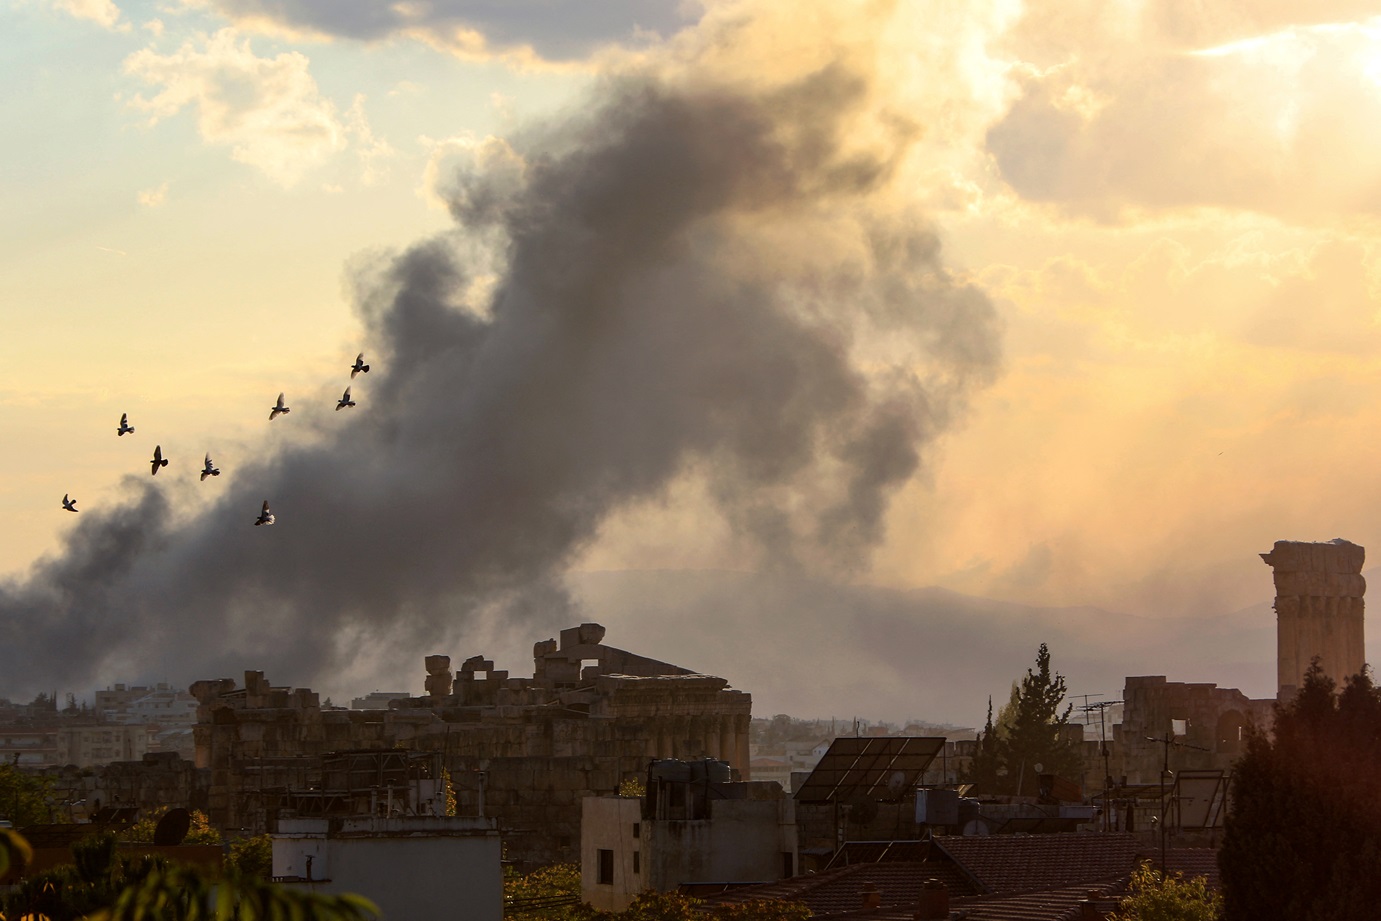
(1040,768)
(896,783)
(172,828)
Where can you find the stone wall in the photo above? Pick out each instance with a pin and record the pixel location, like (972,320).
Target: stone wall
(1216,721)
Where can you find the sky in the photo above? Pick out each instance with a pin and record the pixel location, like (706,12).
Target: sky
(1053,302)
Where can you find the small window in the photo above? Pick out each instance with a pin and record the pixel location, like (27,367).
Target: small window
(606,868)
(637,829)
(788,865)
(637,864)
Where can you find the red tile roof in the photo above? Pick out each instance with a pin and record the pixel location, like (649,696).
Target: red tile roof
(1028,863)
(835,891)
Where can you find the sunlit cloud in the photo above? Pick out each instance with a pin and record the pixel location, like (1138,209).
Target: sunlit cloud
(1115,118)
(104,12)
(268,110)
(526,33)
(152,198)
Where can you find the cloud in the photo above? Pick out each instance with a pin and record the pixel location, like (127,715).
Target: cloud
(268,111)
(653,318)
(104,12)
(152,198)
(1184,108)
(534,30)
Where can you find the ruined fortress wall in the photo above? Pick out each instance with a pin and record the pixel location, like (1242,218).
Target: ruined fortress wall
(1319,610)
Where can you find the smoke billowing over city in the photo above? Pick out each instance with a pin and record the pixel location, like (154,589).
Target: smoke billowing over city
(685,278)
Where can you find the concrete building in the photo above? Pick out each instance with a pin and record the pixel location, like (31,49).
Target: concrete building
(692,825)
(414,868)
(88,746)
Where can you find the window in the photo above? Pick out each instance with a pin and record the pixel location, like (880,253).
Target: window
(606,868)
(637,864)
(637,829)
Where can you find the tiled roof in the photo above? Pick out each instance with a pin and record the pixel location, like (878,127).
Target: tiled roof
(1026,863)
(1053,905)
(1050,905)
(828,894)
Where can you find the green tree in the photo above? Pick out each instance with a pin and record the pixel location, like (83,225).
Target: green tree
(1303,838)
(1151,897)
(546,894)
(1028,737)
(252,857)
(201,830)
(25,799)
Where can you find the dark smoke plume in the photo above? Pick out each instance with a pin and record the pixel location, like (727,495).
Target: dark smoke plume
(649,322)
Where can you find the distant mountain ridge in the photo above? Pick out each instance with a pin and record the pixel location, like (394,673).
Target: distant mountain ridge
(815,648)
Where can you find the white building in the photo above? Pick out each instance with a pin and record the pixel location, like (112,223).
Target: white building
(695,829)
(415,868)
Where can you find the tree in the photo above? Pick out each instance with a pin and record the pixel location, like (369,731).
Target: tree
(25,799)
(1029,732)
(201,830)
(1303,838)
(252,856)
(1151,897)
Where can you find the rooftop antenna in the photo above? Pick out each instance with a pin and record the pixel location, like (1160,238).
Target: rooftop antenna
(1101,706)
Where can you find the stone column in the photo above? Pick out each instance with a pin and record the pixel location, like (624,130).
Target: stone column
(1319,608)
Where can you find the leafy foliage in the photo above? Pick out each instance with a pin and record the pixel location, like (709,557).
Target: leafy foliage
(1029,732)
(200,832)
(553,894)
(101,886)
(252,857)
(547,894)
(1303,838)
(1152,897)
(24,798)
(14,850)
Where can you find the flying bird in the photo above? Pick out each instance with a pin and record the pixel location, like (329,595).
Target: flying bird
(358,366)
(125,428)
(69,504)
(210,469)
(344,402)
(158,459)
(265,516)
(278,410)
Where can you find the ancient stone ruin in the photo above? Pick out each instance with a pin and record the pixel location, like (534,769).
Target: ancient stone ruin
(1319,608)
(591,717)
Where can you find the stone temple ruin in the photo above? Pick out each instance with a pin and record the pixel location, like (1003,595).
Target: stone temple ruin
(523,750)
(1319,613)
(1319,607)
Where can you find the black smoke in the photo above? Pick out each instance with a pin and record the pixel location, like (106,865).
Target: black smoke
(661,308)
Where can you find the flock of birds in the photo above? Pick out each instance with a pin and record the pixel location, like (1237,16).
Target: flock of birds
(209,468)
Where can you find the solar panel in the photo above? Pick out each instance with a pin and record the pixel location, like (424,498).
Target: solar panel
(876,769)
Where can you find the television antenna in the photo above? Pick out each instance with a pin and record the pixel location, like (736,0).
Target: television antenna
(1101,706)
